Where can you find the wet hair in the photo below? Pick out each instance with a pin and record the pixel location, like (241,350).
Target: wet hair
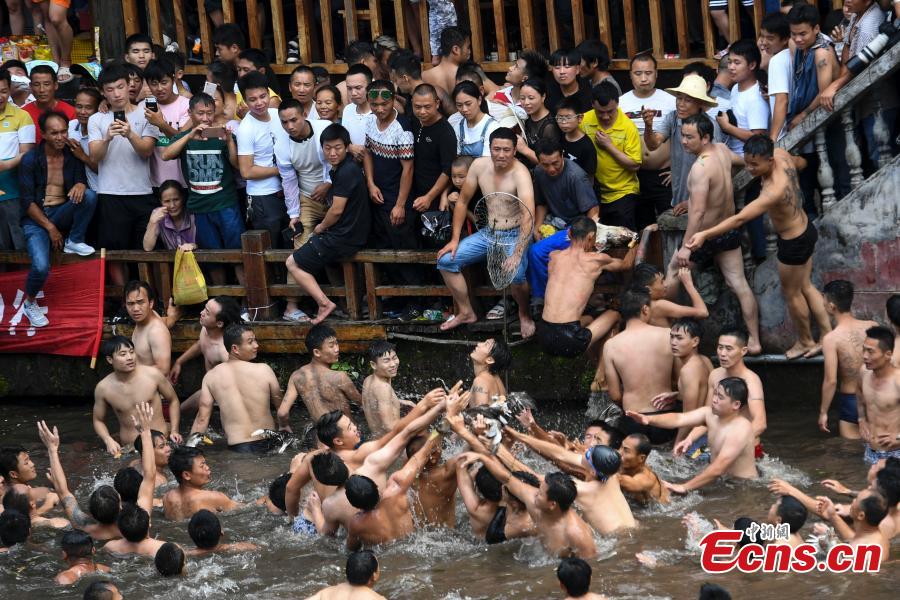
(738,332)
(642,56)
(229,310)
(233,334)
(575,576)
(426,89)
(277,490)
(874,507)
(360,69)
(758,145)
(452,36)
(9,460)
(502,356)
(135,285)
(317,335)
(254,80)
(631,302)
(603,93)
(526,477)
(362,493)
(792,512)
(415,444)
(228,34)
(560,489)
(361,565)
(569,103)
(104,504)
(357,51)
(736,389)
(329,469)
(169,560)
(137,38)
(327,427)
(802,14)
(154,435)
(201,98)
(742,524)
(488,485)
(643,443)
(224,74)
(327,87)
(689,325)
(128,483)
(704,125)
(594,53)
(133,522)
(615,436)
(466,161)
(502,133)
(333,133)
(158,69)
(748,50)
(77,544)
(404,62)
(565,57)
(181,460)
(581,227)
(883,336)
(713,591)
(13,500)
(703,70)
(840,293)
(548,146)
(892,308)
(888,481)
(15,527)
(776,23)
(205,529)
(644,274)
(100,590)
(112,74)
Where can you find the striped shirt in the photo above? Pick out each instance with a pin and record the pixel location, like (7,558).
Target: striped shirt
(16,127)
(388,149)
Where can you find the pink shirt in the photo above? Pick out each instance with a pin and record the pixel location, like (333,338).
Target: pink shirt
(176,115)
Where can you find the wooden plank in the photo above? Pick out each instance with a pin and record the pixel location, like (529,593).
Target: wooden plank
(391,291)
(500,29)
(352,295)
(526,24)
(155,18)
(280,39)
(253,244)
(255,33)
(228,11)
(371,295)
(552,28)
(165,281)
(350,28)
(734,20)
(759,11)
(236,291)
(288,290)
(475,26)
(130,13)
(144,272)
(399,21)
(327,35)
(281,330)
(656,29)
(205,35)
(577,21)
(426,33)
(180,35)
(604,25)
(630,42)
(681,27)
(375,16)
(709,33)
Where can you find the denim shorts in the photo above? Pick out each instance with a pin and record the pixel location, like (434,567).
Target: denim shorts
(474,249)
(220,229)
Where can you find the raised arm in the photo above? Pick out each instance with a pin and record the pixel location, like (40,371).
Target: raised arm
(406,475)
(428,402)
(718,467)
(294,489)
(384,457)
(58,477)
(550,451)
(143,423)
(465,484)
(517,488)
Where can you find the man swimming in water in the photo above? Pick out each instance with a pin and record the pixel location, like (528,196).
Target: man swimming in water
(161,453)
(151,338)
(321,388)
(192,472)
(482,495)
(206,533)
(490,360)
(379,400)
(842,348)
(564,329)
(662,310)
(730,435)
(867,511)
(782,198)
(129,385)
(790,511)
(78,554)
(362,575)
(16,467)
(244,392)
(878,397)
(637,480)
(434,490)
(574,577)
(217,314)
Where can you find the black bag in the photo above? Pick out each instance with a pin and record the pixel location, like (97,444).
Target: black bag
(437,226)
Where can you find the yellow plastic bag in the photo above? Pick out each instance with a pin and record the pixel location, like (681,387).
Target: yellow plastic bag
(188,284)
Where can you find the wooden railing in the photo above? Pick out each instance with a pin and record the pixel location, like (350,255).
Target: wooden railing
(509,25)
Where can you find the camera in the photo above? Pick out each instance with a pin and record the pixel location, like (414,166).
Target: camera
(888,35)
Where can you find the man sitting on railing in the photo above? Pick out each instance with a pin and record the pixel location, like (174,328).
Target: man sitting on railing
(456,49)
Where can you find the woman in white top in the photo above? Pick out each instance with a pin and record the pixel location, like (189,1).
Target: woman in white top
(474,129)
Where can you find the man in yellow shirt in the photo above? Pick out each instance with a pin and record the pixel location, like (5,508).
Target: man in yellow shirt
(618,147)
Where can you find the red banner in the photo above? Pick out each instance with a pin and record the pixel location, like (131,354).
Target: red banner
(72,300)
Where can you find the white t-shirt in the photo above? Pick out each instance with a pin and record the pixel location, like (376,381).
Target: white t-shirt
(257,138)
(302,165)
(780,80)
(751,112)
(355,123)
(84,139)
(122,172)
(474,134)
(662,101)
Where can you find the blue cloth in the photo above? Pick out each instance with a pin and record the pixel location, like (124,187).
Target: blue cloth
(474,249)
(304,526)
(33,174)
(873,456)
(539,260)
(220,229)
(71,216)
(847,408)
(868,125)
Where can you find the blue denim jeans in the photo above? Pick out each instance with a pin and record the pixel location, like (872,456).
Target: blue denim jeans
(71,216)
(867,124)
(474,249)
(219,230)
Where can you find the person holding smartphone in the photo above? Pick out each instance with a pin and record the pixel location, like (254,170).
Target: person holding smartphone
(169,112)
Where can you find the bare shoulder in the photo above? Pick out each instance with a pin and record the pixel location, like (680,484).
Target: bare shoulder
(480,164)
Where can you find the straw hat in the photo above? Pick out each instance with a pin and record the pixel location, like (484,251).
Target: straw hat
(695,87)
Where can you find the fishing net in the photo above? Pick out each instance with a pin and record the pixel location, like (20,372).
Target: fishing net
(507,223)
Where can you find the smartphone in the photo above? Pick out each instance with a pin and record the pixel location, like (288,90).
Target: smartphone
(151,104)
(209,88)
(288,234)
(119,115)
(212,133)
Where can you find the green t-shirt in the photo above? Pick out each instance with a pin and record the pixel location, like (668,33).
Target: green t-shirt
(205,166)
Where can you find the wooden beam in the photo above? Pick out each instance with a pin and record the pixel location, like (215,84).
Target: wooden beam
(399,23)
(375,16)
(475,26)
(552,25)
(352,295)
(656,29)
(426,33)
(252,24)
(180,35)
(604,26)
(734,20)
(280,40)
(155,17)
(526,24)
(350,28)
(205,35)
(371,296)
(327,34)
(630,42)
(578,20)
(500,30)
(681,27)
(253,244)
(228,11)
(130,13)
(709,33)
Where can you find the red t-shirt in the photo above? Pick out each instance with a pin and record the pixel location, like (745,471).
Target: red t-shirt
(32,109)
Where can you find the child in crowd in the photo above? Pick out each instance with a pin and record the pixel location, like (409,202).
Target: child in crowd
(576,145)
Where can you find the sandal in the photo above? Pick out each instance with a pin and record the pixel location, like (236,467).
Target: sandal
(298,316)
(496,313)
(64,75)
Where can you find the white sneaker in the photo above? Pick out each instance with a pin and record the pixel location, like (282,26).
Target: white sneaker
(293,52)
(35,315)
(79,248)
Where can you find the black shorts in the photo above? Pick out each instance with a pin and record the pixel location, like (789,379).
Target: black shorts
(267,212)
(657,435)
(563,339)
(797,251)
(705,254)
(123,220)
(255,447)
(320,251)
(621,212)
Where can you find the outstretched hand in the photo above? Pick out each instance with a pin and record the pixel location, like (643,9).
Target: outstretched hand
(50,438)
(638,417)
(681,448)
(456,403)
(433,398)
(836,486)
(142,417)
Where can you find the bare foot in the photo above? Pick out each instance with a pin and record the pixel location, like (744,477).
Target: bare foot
(754,347)
(814,351)
(323,313)
(454,321)
(526,326)
(798,350)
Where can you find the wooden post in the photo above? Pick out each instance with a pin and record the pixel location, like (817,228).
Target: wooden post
(552,26)
(253,244)
(371,294)
(327,34)
(709,34)
(252,24)
(350,29)
(180,36)
(228,11)
(426,33)
(734,20)
(129,11)
(526,24)
(577,21)
(165,281)
(681,27)
(155,21)
(603,25)
(500,29)
(759,11)
(475,26)
(656,29)
(375,17)
(205,34)
(399,22)
(352,297)
(278,32)
(109,17)
(630,42)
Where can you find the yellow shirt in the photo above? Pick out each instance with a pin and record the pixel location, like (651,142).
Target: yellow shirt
(614,179)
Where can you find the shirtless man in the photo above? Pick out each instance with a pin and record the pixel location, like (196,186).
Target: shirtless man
(599,496)
(730,435)
(217,314)
(244,392)
(456,49)
(638,364)
(693,370)
(637,480)
(129,385)
(16,467)
(711,202)
(788,510)
(574,577)
(867,511)
(502,172)
(892,308)
(490,359)
(435,487)
(842,348)
(379,400)
(487,517)
(206,532)
(321,388)
(78,554)
(662,310)
(192,472)
(561,530)
(878,397)
(151,338)
(572,273)
(782,199)
(161,453)
(362,575)
(385,514)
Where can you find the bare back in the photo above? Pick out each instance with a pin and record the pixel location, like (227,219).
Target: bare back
(711,173)
(603,505)
(848,341)
(639,359)
(244,392)
(322,389)
(380,405)
(738,434)
(783,198)
(572,275)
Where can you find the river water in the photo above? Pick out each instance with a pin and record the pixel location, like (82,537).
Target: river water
(439,563)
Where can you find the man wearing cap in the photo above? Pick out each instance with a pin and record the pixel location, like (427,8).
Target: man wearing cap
(44,86)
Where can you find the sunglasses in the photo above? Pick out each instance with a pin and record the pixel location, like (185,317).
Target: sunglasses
(385,94)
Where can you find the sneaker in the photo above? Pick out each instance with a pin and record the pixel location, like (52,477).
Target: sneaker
(293,52)
(35,314)
(79,248)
